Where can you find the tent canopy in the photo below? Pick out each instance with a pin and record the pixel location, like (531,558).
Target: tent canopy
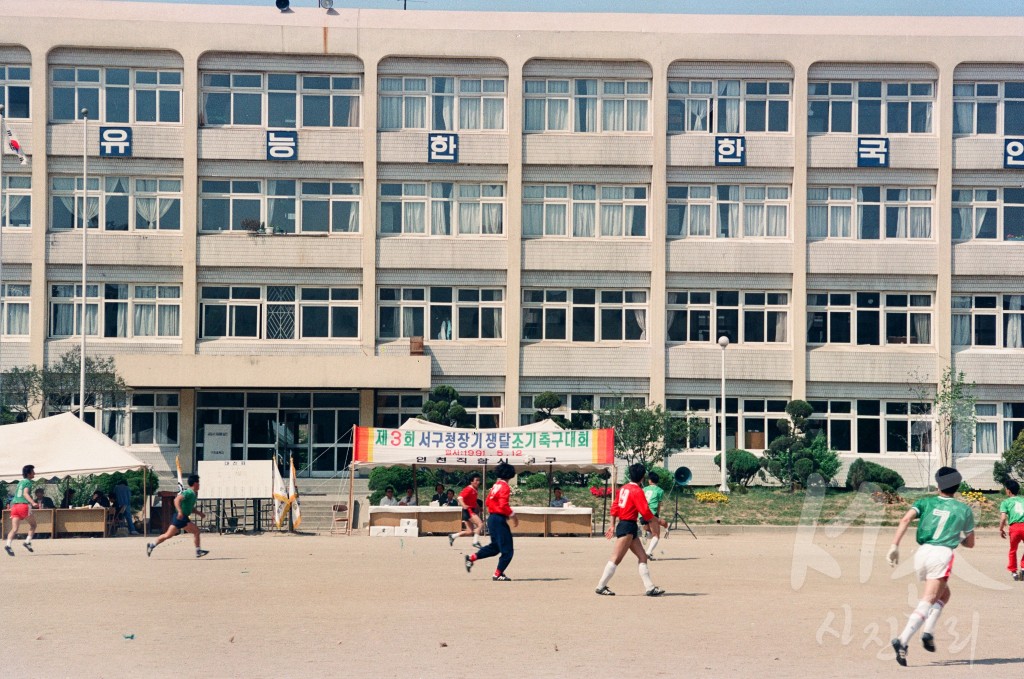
(60,446)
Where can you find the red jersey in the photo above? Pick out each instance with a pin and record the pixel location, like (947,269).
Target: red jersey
(631,502)
(497,499)
(469,496)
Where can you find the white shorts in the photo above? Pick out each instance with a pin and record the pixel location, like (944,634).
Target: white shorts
(933,562)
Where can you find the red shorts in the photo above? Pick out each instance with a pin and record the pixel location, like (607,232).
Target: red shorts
(19,510)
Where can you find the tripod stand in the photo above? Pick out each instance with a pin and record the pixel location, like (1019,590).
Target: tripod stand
(676,516)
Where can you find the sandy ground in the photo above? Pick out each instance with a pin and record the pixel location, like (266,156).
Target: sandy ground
(756,602)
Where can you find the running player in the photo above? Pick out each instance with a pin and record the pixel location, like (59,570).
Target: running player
(629,504)
(21,509)
(185,503)
(499,515)
(653,493)
(945,523)
(1012,510)
(471,520)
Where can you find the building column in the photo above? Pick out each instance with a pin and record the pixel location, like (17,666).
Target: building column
(656,227)
(514,233)
(190,206)
(798,293)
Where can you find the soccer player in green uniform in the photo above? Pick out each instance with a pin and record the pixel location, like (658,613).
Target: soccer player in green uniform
(21,509)
(1012,510)
(945,524)
(185,503)
(654,494)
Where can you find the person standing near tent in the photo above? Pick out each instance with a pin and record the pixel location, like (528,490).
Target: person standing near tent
(629,504)
(470,517)
(653,493)
(500,513)
(185,503)
(21,509)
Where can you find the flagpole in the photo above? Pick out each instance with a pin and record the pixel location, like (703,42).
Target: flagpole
(3,216)
(85,232)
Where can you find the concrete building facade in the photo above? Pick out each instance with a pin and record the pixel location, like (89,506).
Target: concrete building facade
(282,205)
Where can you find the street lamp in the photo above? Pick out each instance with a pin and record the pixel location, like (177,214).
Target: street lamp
(723,342)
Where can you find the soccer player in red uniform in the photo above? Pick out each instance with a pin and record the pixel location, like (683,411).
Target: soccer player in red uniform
(629,504)
(470,517)
(499,515)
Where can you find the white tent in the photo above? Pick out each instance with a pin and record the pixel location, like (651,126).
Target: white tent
(60,446)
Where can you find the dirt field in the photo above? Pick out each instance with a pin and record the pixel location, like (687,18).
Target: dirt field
(757,602)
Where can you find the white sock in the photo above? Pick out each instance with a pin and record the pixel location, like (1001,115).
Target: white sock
(453,535)
(917,618)
(609,571)
(652,544)
(645,575)
(933,618)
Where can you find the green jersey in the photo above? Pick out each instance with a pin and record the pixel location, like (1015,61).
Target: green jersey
(1013,507)
(653,495)
(188,501)
(19,494)
(942,520)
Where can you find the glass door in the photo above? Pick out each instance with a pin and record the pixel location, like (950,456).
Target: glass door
(293,439)
(260,434)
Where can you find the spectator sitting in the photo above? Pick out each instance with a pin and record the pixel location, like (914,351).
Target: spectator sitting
(450,500)
(389,499)
(98,499)
(409,500)
(559,500)
(69,499)
(43,500)
(440,497)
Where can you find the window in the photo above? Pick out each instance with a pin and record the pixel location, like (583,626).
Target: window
(280,206)
(116,95)
(988,214)
(728,211)
(988,108)
(869,318)
(870,107)
(997,426)
(16,209)
(291,100)
(154,418)
(994,320)
(394,408)
(833,420)
(577,409)
(728,106)
(693,409)
(14,309)
(455,103)
(621,211)
(703,316)
(118,203)
(453,313)
(585,315)
(874,427)
(278,312)
(125,310)
(878,212)
(456,209)
(483,410)
(14,91)
(586,105)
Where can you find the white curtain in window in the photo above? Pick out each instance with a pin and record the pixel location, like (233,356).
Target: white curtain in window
(611,220)
(781,325)
(413,218)
(986,438)
(92,318)
(441,218)
(583,220)
(728,216)
(390,113)
(150,212)
(15,201)
(533,219)
(961,330)
(636,115)
(494,114)
(962,229)
(17,319)
(817,221)
(556,220)
(469,217)
(1007,430)
(113,425)
(493,219)
(640,316)
(920,222)
(700,220)
(697,115)
(469,113)
(963,117)
(145,320)
(613,115)
(586,114)
(777,221)
(1014,338)
(415,112)
(728,115)
(901,221)
(922,327)
(558,114)
(444,113)
(168,318)
(166,433)
(980,213)
(496,324)
(753,219)
(121,315)
(533,115)
(64,319)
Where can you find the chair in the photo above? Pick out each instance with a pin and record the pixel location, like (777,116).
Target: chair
(339,521)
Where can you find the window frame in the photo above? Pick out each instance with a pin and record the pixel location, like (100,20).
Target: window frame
(548,201)
(15,294)
(19,81)
(679,301)
(680,97)
(545,303)
(979,203)
(101,191)
(105,88)
(99,306)
(300,193)
(431,302)
(860,306)
(266,305)
(429,195)
(1001,312)
(860,103)
(266,91)
(860,204)
(681,202)
(572,99)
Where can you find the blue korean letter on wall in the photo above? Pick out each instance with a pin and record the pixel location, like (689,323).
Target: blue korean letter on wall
(872,152)
(115,142)
(730,151)
(442,147)
(282,145)
(1013,154)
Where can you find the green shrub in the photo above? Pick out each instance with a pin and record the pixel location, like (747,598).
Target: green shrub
(400,478)
(533,481)
(862,471)
(802,469)
(741,465)
(826,460)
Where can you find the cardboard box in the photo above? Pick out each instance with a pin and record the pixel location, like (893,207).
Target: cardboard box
(382,531)
(408,523)
(407,532)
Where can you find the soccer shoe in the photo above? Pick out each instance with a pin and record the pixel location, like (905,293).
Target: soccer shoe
(477,544)
(451,540)
(28,546)
(604,591)
(928,641)
(650,557)
(200,553)
(10,552)
(501,578)
(149,548)
(469,564)
(654,591)
(901,652)
(1015,575)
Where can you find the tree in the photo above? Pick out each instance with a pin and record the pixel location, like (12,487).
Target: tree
(955,415)
(20,389)
(1012,464)
(546,403)
(443,407)
(785,452)
(56,386)
(647,434)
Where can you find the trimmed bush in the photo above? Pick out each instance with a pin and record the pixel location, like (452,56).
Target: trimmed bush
(862,471)
(741,465)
